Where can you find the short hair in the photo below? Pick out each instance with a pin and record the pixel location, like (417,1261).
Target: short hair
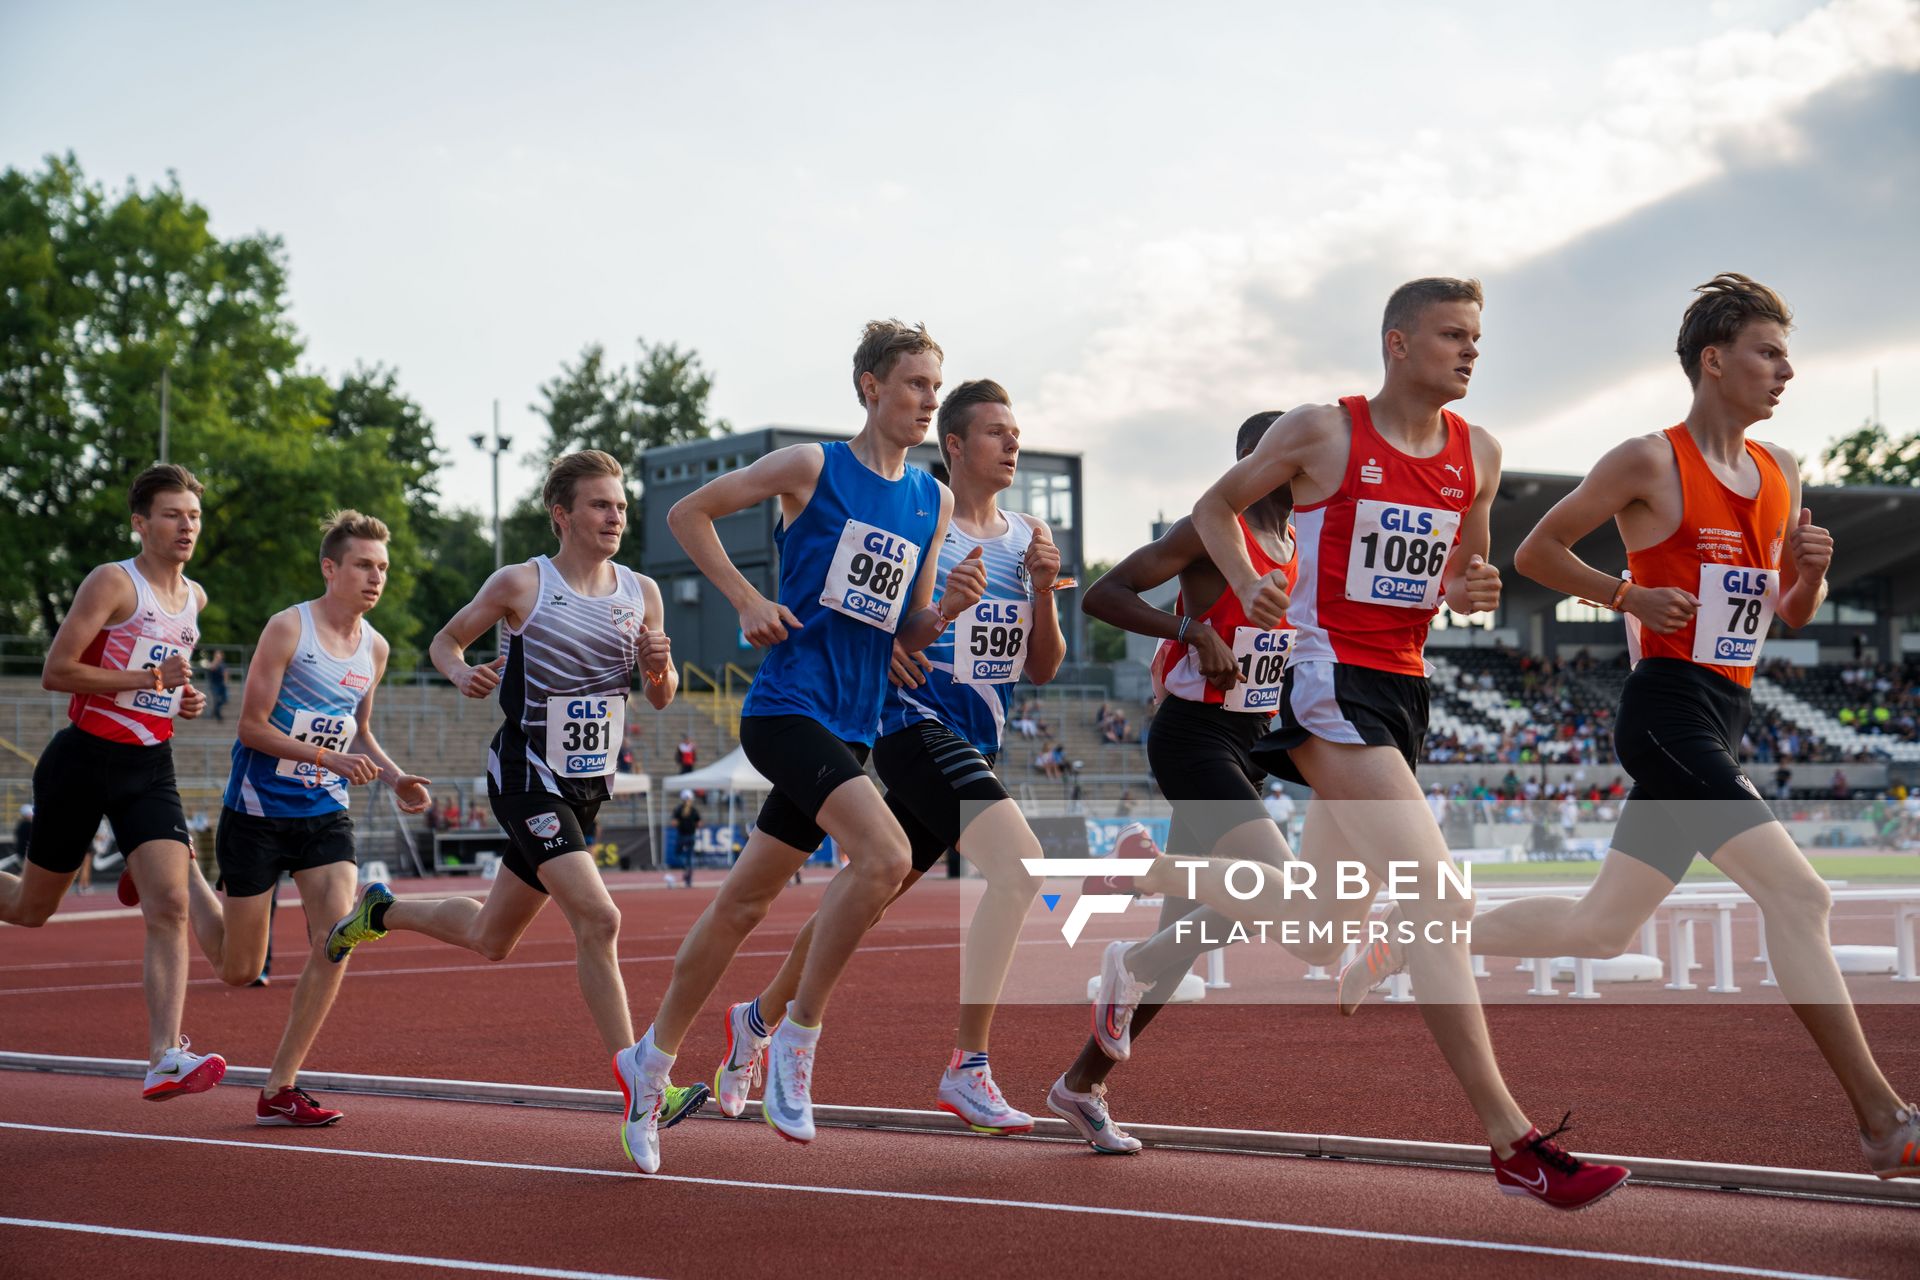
(568,471)
(162,477)
(342,527)
(1251,430)
(1410,300)
(882,344)
(1714,319)
(956,411)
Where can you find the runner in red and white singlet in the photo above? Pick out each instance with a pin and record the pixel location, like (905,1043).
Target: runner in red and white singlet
(124,651)
(1391,497)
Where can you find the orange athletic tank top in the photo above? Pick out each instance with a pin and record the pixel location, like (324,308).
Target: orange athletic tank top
(1727,552)
(1371,555)
(1260,654)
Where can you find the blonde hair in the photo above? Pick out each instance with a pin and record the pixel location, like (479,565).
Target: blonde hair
(342,527)
(568,471)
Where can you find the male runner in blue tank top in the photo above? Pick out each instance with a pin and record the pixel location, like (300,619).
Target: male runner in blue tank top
(305,734)
(578,627)
(940,732)
(857,526)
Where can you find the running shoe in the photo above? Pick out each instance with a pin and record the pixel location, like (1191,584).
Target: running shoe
(1898,1154)
(788,1103)
(1087,1113)
(681,1101)
(1373,966)
(356,926)
(1114,1003)
(1547,1171)
(293,1108)
(742,1068)
(973,1096)
(1135,841)
(644,1097)
(180,1071)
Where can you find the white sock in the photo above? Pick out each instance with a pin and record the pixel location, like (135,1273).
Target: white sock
(794,1033)
(652,1062)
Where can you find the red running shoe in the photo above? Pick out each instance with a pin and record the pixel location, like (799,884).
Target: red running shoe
(1135,842)
(1547,1171)
(293,1107)
(128,892)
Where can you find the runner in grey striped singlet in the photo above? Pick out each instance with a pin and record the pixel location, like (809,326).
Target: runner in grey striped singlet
(564,690)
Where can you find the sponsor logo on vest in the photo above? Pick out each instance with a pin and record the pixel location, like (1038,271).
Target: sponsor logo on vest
(1371,473)
(148,700)
(355,681)
(875,607)
(1263,699)
(1734,648)
(1459,473)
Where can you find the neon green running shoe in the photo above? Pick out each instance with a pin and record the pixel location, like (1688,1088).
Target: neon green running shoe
(681,1102)
(356,926)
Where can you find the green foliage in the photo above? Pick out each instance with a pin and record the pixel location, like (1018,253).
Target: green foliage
(1872,455)
(1108,642)
(626,410)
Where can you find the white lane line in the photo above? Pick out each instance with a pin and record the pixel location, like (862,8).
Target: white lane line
(322,1251)
(986,1202)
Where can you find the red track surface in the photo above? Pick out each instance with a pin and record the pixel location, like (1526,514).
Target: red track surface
(1694,1077)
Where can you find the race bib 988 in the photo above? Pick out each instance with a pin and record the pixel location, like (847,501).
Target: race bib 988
(871,577)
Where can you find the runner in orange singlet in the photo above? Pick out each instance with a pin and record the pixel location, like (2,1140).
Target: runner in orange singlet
(1705,513)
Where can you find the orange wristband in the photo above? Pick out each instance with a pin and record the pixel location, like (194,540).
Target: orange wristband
(655,677)
(159,683)
(319,758)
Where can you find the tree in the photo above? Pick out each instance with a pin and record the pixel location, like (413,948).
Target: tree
(100,293)
(370,399)
(1108,642)
(1872,455)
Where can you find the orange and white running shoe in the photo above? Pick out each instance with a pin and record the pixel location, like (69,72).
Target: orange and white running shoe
(1373,966)
(1898,1154)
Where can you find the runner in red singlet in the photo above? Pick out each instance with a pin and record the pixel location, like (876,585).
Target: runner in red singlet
(124,652)
(1391,503)
(1705,513)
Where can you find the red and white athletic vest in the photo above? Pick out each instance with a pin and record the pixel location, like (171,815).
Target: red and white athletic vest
(1260,654)
(1372,554)
(1727,552)
(145,640)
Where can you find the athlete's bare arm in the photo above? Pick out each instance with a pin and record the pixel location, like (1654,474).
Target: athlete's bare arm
(1305,448)
(657,672)
(789,474)
(966,583)
(410,788)
(1047,648)
(508,596)
(1807,554)
(1625,477)
(106,597)
(1116,599)
(1470,583)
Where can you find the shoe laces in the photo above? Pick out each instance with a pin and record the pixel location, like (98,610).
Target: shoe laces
(1131,989)
(983,1084)
(301,1094)
(1549,1152)
(798,1081)
(1098,1093)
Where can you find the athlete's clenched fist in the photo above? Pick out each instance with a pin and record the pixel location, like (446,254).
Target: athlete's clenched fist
(1265,600)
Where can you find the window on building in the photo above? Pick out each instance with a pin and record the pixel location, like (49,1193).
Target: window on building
(1574,609)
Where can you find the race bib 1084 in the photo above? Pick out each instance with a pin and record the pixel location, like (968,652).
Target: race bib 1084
(871,576)
(1398,553)
(990,642)
(1261,657)
(148,653)
(1736,608)
(583,734)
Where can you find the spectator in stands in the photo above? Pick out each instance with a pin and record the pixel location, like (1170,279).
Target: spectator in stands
(625,763)
(1123,808)
(1782,783)
(1279,806)
(687,754)
(216,674)
(1051,761)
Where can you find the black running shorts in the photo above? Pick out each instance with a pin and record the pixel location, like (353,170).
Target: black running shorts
(1201,757)
(81,778)
(253,851)
(1678,737)
(806,764)
(540,827)
(936,780)
(1343,703)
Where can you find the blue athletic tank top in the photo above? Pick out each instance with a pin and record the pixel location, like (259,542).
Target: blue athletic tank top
(319,695)
(977,660)
(847,567)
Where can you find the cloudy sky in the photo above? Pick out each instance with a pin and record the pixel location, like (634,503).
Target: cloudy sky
(1147,220)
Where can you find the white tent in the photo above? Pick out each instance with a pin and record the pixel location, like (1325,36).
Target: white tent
(731,773)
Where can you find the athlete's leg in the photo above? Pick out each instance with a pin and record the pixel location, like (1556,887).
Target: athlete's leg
(1599,923)
(30,898)
(878,859)
(489,929)
(326,894)
(159,869)
(996,842)
(773,1001)
(739,906)
(576,886)
(236,942)
(1795,903)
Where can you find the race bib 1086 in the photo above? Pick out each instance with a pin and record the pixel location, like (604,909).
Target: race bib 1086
(583,734)
(1261,657)
(990,642)
(1398,553)
(1736,608)
(148,653)
(871,577)
(324,730)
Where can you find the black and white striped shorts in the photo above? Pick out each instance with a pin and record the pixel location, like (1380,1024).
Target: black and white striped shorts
(935,781)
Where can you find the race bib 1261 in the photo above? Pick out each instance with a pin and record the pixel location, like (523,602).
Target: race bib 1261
(990,642)
(148,653)
(1398,553)
(871,577)
(583,734)
(324,730)
(1736,608)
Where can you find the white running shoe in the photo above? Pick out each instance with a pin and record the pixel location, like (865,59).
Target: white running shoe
(1898,1154)
(1087,1113)
(640,1121)
(1114,1003)
(741,1069)
(181,1072)
(788,1101)
(975,1098)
